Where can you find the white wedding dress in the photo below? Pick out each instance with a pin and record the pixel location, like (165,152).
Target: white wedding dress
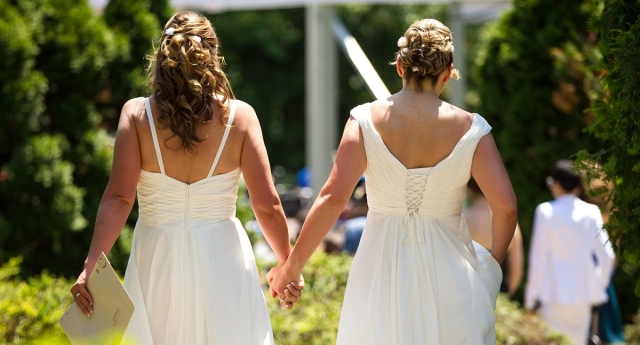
(417,277)
(191,273)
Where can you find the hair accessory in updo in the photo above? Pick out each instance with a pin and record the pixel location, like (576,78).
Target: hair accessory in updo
(187,78)
(425,52)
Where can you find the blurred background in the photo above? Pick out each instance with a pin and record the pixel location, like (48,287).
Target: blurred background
(556,79)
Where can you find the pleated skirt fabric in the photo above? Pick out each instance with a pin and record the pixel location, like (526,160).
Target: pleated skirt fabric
(196,286)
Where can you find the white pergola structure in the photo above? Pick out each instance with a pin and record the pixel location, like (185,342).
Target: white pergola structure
(323,27)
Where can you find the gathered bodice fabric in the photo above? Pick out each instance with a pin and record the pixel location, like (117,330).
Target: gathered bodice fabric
(176,204)
(417,277)
(191,273)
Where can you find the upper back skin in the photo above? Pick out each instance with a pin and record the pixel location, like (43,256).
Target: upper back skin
(182,165)
(419,130)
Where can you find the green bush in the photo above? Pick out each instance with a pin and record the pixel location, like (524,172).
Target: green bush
(314,319)
(30,309)
(632,331)
(617,122)
(513,326)
(534,85)
(67,76)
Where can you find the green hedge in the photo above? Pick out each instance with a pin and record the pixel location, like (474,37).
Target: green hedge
(29,309)
(617,121)
(534,85)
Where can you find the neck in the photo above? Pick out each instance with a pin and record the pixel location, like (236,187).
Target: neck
(426,86)
(564,193)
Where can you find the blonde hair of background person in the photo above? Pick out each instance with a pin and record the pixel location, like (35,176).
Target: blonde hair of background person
(190,101)
(408,122)
(478,217)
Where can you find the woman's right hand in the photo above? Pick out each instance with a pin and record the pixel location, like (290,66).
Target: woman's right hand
(81,295)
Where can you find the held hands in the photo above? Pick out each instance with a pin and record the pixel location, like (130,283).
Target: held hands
(285,285)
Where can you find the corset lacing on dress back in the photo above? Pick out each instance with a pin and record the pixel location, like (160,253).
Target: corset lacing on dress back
(417,278)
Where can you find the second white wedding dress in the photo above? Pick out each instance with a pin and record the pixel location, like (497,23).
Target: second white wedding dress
(417,277)
(191,273)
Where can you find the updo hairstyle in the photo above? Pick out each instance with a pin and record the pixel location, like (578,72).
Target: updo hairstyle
(425,51)
(186,76)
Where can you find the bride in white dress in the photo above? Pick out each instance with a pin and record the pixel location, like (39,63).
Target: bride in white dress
(417,277)
(191,273)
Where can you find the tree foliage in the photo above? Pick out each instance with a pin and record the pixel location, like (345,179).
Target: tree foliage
(534,86)
(617,121)
(60,61)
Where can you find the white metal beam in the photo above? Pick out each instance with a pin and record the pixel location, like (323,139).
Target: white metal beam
(359,60)
(321,93)
(212,6)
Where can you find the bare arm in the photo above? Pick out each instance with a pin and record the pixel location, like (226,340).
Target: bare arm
(117,200)
(515,261)
(350,164)
(489,172)
(265,202)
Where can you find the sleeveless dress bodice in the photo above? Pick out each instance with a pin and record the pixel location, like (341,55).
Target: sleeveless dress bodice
(417,277)
(166,202)
(191,273)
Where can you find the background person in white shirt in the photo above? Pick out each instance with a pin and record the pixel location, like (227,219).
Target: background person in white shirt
(570,258)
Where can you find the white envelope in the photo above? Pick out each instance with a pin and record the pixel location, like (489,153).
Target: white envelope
(112,309)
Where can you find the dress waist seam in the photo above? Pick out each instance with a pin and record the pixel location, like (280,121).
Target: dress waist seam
(373,212)
(206,223)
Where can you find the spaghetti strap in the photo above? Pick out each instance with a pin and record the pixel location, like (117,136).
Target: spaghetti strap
(154,134)
(232,112)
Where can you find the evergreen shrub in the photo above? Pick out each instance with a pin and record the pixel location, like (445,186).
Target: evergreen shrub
(617,123)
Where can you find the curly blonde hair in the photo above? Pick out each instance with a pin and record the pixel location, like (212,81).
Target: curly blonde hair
(425,51)
(186,76)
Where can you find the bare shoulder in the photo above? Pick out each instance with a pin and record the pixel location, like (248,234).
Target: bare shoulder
(457,116)
(380,107)
(133,111)
(245,116)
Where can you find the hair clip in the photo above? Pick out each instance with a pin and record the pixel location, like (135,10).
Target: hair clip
(196,38)
(414,68)
(402,41)
(405,51)
(170,31)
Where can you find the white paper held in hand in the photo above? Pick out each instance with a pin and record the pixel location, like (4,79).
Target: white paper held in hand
(112,310)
